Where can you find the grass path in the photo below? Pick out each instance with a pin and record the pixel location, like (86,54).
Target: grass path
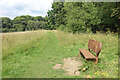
(35,62)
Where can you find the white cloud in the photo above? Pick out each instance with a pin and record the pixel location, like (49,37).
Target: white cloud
(13,8)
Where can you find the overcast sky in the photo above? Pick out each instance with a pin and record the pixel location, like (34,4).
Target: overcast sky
(13,8)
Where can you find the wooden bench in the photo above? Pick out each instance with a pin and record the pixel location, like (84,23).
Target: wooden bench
(93,45)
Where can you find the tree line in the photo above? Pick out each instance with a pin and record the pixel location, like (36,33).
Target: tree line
(85,16)
(71,17)
(23,23)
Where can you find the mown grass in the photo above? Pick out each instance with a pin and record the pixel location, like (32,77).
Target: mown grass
(33,54)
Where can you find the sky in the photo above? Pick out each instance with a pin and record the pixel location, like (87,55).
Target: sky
(13,8)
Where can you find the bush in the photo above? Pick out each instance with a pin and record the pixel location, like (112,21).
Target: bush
(61,27)
(5,30)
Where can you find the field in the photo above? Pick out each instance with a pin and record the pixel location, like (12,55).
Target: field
(33,54)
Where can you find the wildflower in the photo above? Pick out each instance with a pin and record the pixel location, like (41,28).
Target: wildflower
(97,73)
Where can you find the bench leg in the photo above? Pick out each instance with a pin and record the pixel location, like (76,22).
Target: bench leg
(96,61)
(79,54)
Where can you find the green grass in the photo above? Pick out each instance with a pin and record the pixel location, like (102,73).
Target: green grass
(29,55)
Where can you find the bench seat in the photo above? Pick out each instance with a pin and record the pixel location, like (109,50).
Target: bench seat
(87,54)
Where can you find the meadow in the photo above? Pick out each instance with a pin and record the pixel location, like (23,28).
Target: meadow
(32,54)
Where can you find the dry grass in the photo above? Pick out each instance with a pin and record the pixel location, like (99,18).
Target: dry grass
(21,40)
(108,40)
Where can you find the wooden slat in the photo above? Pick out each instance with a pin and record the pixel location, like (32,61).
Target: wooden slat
(94,45)
(87,54)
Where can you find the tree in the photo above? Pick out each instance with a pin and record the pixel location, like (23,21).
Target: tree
(108,22)
(38,18)
(81,16)
(6,24)
(34,25)
(84,17)
(56,15)
(24,22)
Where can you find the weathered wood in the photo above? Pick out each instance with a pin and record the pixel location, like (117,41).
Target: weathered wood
(87,54)
(93,45)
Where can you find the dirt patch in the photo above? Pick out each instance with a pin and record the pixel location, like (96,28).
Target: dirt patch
(57,66)
(70,65)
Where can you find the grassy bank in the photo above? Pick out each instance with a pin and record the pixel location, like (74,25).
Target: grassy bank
(33,54)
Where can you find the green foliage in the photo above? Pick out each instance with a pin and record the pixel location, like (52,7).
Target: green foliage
(38,18)
(56,16)
(22,23)
(84,17)
(6,24)
(34,25)
(61,27)
(5,30)
(116,11)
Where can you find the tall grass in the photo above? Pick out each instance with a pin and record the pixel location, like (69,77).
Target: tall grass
(108,57)
(17,41)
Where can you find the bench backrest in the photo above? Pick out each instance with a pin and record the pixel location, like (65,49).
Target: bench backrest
(94,45)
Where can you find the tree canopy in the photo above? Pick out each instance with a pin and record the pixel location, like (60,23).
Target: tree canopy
(23,23)
(85,16)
